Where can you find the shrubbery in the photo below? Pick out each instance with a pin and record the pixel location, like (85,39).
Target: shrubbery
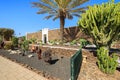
(32,40)
(83,42)
(1,40)
(73,42)
(25,45)
(52,42)
(8,46)
(15,41)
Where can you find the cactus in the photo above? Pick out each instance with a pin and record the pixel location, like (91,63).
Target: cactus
(106,63)
(102,23)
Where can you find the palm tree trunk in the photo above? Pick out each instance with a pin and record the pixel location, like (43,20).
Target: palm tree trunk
(62,22)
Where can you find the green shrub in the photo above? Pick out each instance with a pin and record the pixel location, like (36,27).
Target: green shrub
(40,42)
(15,41)
(83,43)
(33,40)
(1,40)
(73,42)
(8,46)
(25,45)
(54,42)
(106,63)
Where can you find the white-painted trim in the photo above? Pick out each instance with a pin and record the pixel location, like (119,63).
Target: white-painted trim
(44,32)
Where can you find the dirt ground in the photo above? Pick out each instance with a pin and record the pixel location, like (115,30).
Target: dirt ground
(90,71)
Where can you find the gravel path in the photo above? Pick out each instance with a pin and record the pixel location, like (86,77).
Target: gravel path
(60,68)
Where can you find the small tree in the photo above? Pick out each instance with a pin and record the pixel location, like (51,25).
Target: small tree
(15,41)
(6,33)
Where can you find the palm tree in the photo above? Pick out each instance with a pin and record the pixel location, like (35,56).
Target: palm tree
(61,9)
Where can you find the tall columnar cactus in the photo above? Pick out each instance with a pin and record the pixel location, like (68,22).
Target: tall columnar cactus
(106,63)
(102,23)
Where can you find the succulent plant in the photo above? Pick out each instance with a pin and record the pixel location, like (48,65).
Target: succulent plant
(102,23)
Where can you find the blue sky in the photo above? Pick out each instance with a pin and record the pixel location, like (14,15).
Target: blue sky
(20,16)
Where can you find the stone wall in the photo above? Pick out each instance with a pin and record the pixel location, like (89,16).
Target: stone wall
(36,35)
(54,34)
(60,51)
(70,34)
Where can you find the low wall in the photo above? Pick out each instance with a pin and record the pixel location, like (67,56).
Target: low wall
(70,34)
(35,35)
(59,51)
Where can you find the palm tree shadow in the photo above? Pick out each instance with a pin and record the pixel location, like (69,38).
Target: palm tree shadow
(75,32)
(53,61)
(71,33)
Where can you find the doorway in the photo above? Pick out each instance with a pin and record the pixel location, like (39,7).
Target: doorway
(45,38)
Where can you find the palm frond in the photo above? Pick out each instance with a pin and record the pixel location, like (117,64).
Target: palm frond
(50,3)
(69,16)
(63,3)
(56,17)
(47,17)
(58,3)
(77,15)
(76,3)
(83,9)
(42,11)
(66,3)
(53,12)
(41,6)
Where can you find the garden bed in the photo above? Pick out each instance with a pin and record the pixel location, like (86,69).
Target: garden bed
(59,69)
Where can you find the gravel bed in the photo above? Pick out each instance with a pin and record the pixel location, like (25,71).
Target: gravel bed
(59,68)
